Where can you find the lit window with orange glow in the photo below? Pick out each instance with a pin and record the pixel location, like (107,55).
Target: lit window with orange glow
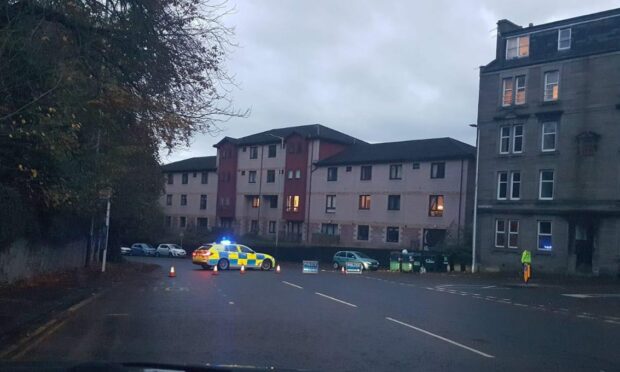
(255,202)
(436,206)
(552,85)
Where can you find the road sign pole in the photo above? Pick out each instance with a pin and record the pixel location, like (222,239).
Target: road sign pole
(107,233)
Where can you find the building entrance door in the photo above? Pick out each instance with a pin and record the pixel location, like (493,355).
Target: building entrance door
(584,246)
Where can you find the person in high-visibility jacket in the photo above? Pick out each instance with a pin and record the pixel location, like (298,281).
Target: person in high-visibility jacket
(526,257)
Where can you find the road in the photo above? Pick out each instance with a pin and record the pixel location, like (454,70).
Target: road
(328,321)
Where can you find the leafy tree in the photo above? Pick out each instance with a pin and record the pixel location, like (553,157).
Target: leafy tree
(89,91)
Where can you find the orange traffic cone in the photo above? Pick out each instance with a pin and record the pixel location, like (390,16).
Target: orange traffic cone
(172,273)
(215,270)
(242,269)
(278,269)
(342,270)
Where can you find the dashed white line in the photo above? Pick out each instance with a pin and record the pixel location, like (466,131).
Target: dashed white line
(441,338)
(612,321)
(231,303)
(522,305)
(292,285)
(335,299)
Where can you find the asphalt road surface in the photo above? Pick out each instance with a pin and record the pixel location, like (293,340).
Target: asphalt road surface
(329,321)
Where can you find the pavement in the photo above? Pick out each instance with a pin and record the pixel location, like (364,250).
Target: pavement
(377,321)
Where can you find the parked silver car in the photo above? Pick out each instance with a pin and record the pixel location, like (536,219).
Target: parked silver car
(172,250)
(142,249)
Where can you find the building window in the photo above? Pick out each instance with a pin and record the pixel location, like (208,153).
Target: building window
(502,185)
(332,174)
(183,199)
(438,170)
(272,227)
(393,203)
(365,172)
(348,168)
(549,131)
(435,206)
(292,203)
(253,152)
(564,36)
(518,47)
(500,233)
(329,229)
(546,185)
(587,143)
(271,151)
(203,202)
(168,221)
(362,232)
(520,87)
(504,140)
(271,176)
(545,241)
(330,203)
(507,91)
(170,178)
(517,139)
(515,185)
(415,166)
(364,202)
(254,226)
(552,80)
(169,199)
(392,234)
(396,171)
(255,201)
(290,175)
(204,178)
(252,177)
(513,234)
(298,174)
(273,201)
(182,222)
(184,178)
(202,222)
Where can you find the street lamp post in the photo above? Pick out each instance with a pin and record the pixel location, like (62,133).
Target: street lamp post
(475,225)
(106,194)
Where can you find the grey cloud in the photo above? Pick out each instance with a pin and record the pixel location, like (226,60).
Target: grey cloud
(378,70)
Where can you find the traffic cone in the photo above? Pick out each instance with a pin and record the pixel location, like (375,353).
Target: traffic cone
(215,270)
(172,273)
(342,271)
(242,269)
(278,269)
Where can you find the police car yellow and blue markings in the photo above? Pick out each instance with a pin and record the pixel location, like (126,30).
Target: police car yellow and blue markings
(235,258)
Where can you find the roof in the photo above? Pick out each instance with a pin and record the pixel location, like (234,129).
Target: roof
(417,150)
(314,131)
(563,23)
(203,163)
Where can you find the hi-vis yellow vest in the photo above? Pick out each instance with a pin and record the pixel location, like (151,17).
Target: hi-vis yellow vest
(526,257)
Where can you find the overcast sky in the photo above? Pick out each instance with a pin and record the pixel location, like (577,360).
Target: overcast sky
(377,70)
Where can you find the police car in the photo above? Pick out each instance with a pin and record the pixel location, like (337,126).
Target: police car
(226,255)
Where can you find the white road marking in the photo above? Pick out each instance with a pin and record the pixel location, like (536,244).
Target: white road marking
(591,295)
(522,305)
(488,287)
(335,299)
(231,303)
(491,297)
(292,285)
(585,317)
(612,321)
(441,338)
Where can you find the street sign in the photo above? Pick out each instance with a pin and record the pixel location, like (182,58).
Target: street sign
(310,267)
(353,268)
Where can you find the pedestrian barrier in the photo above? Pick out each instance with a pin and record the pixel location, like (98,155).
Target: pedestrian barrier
(353,268)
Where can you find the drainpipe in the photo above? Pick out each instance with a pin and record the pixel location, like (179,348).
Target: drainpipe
(309,195)
(260,187)
(475,224)
(458,230)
